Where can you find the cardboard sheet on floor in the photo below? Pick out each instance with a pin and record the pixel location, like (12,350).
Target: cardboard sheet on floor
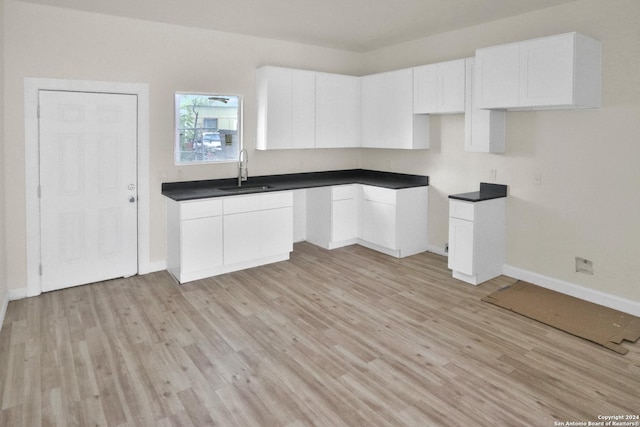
(584,319)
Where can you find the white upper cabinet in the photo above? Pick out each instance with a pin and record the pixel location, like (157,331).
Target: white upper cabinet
(387,112)
(337,111)
(562,71)
(484,130)
(286,108)
(439,88)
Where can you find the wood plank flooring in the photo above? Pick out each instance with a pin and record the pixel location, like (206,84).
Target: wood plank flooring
(347,337)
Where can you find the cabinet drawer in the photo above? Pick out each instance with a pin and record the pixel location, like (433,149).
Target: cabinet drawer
(344,192)
(239,204)
(462,210)
(257,202)
(200,209)
(380,195)
(281,199)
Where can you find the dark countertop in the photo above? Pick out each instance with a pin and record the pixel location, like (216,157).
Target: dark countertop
(191,190)
(487,192)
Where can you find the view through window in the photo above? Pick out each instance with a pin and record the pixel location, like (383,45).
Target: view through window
(208,128)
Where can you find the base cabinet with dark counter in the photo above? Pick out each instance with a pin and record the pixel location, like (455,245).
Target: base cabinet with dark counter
(207,237)
(215,226)
(391,221)
(477,233)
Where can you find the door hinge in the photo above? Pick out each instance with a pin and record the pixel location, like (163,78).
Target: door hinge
(38,111)
(40,269)
(39,192)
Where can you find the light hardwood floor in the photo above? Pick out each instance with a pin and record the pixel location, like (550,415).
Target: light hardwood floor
(347,337)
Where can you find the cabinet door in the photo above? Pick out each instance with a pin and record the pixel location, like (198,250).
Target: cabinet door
(241,237)
(303,109)
(546,71)
(425,89)
(496,82)
(273,92)
(484,130)
(276,231)
(451,85)
(398,107)
(286,108)
(201,244)
(344,218)
(379,223)
(387,110)
(439,88)
(337,111)
(461,250)
(373,120)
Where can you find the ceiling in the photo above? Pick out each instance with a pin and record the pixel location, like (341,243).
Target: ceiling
(353,25)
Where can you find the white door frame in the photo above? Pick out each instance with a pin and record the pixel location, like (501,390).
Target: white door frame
(32,171)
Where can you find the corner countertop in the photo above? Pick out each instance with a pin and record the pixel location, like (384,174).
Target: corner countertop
(192,190)
(487,192)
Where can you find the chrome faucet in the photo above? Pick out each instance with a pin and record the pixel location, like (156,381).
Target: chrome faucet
(243,166)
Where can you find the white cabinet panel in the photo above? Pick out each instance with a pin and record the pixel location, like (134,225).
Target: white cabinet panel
(484,130)
(337,111)
(241,237)
(546,71)
(379,223)
(387,112)
(257,226)
(461,246)
(497,78)
(344,219)
(276,231)
(562,71)
(201,243)
(425,89)
(200,209)
(286,108)
(439,88)
(194,238)
(228,234)
(477,239)
(332,216)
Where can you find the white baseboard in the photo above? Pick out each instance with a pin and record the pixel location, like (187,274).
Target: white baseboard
(18,293)
(3,308)
(152,267)
(567,288)
(437,250)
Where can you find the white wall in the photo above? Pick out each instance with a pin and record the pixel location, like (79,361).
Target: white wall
(588,204)
(47,42)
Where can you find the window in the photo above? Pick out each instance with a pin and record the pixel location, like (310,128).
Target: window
(208,128)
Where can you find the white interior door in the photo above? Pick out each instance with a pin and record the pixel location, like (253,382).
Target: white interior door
(88,187)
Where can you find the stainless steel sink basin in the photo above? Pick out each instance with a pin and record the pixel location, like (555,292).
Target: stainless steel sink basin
(245,188)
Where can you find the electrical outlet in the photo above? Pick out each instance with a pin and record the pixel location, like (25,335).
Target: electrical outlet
(584,266)
(493,173)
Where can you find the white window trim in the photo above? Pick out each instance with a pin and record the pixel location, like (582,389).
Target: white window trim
(31,88)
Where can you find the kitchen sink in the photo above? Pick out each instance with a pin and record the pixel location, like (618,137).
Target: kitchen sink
(245,188)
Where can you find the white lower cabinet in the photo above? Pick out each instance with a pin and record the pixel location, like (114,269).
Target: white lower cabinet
(390,221)
(477,239)
(194,238)
(242,237)
(394,221)
(214,236)
(332,215)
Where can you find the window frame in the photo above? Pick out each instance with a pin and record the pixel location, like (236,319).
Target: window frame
(176,128)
